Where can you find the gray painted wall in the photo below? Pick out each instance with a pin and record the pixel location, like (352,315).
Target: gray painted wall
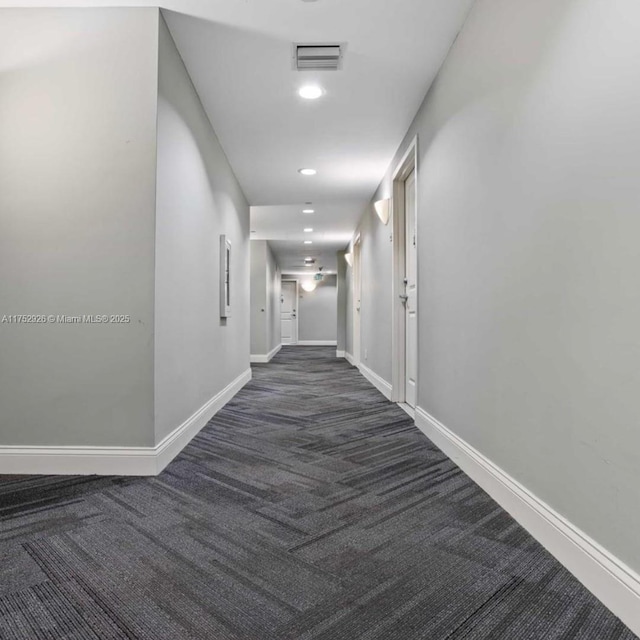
(79,122)
(77,187)
(528,255)
(265,299)
(318,311)
(197,354)
(375,307)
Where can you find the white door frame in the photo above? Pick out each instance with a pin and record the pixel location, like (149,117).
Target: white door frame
(356,252)
(297,303)
(407,164)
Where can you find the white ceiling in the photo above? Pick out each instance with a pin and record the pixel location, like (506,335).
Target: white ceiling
(240,59)
(240,62)
(238,53)
(332,224)
(291,256)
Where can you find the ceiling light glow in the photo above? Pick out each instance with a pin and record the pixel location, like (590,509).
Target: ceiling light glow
(309,285)
(307,172)
(308,241)
(308,230)
(310,92)
(308,211)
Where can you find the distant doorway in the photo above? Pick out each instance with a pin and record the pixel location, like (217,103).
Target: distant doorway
(289,312)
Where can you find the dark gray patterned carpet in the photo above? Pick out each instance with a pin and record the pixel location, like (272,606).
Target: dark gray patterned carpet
(309,508)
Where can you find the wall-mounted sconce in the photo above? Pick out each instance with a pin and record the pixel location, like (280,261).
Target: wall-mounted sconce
(349,258)
(309,286)
(382,208)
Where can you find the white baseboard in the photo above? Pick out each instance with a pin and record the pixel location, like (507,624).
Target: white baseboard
(78,461)
(379,383)
(317,343)
(340,354)
(615,584)
(180,437)
(263,359)
(118,461)
(350,359)
(410,411)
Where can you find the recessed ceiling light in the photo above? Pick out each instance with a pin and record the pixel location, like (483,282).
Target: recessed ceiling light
(308,211)
(308,230)
(308,241)
(307,172)
(310,92)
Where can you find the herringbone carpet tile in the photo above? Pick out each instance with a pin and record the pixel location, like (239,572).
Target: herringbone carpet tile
(308,508)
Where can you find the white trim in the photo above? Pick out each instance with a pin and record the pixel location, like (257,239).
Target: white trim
(605,575)
(317,343)
(408,409)
(356,298)
(340,354)
(263,359)
(408,163)
(379,383)
(104,461)
(350,359)
(121,461)
(402,167)
(180,437)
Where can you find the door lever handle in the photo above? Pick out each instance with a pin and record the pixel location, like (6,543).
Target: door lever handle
(403,297)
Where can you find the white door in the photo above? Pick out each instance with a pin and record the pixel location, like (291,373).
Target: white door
(357,293)
(411,310)
(288,313)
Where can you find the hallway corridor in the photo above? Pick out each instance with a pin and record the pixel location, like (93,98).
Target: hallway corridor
(309,507)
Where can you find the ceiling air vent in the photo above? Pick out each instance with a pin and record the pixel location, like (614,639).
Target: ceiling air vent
(318,56)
